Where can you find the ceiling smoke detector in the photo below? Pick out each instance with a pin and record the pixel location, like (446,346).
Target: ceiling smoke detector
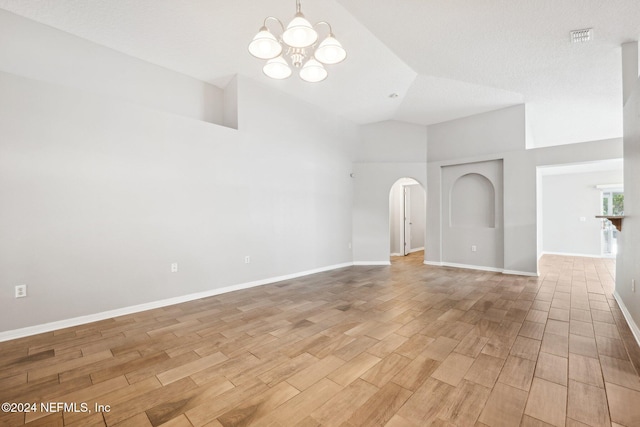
(582,36)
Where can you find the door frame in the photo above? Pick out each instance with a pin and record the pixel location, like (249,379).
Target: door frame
(406,223)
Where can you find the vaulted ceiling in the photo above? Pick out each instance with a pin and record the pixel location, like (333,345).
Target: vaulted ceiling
(445,59)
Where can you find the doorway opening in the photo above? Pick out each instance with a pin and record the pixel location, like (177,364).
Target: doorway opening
(570,196)
(612,205)
(407,217)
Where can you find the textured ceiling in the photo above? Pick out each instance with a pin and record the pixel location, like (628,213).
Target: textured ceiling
(445,59)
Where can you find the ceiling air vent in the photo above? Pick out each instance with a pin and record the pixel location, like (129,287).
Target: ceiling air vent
(582,36)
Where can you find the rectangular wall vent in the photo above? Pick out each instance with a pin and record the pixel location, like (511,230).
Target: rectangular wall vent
(582,36)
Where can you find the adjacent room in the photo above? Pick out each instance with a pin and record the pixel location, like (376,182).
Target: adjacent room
(319,213)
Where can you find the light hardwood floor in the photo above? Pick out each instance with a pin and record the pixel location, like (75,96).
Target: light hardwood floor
(406,345)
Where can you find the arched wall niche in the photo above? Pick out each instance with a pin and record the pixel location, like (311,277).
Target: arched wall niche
(473,202)
(472,214)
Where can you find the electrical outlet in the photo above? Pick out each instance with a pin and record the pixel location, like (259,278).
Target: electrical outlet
(247,259)
(174,267)
(473,248)
(21,291)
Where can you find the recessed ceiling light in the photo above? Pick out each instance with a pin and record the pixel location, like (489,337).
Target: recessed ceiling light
(582,36)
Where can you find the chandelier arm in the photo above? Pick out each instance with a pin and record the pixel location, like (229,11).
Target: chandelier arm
(325,23)
(275,19)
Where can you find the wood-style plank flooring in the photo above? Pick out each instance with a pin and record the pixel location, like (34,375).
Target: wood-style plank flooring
(406,345)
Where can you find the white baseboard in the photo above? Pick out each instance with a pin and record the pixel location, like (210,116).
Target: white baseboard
(520,273)
(632,324)
(372,263)
(572,254)
(396,254)
(481,268)
(472,267)
(81,320)
(434,263)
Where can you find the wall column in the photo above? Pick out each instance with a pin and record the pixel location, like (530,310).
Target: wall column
(630,69)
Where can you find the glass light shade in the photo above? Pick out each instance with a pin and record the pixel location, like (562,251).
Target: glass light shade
(330,51)
(264,45)
(277,68)
(313,71)
(299,32)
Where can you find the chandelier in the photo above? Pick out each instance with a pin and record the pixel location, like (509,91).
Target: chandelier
(297,46)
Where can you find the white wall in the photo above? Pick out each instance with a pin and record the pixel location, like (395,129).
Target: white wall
(392,142)
(482,134)
(539,215)
(417,215)
(387,152)
(566,199)
(100,195)
(40,52)
(396,208)
(481,138)
(628,261)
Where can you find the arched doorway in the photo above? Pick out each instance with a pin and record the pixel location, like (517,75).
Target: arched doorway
(407,217)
